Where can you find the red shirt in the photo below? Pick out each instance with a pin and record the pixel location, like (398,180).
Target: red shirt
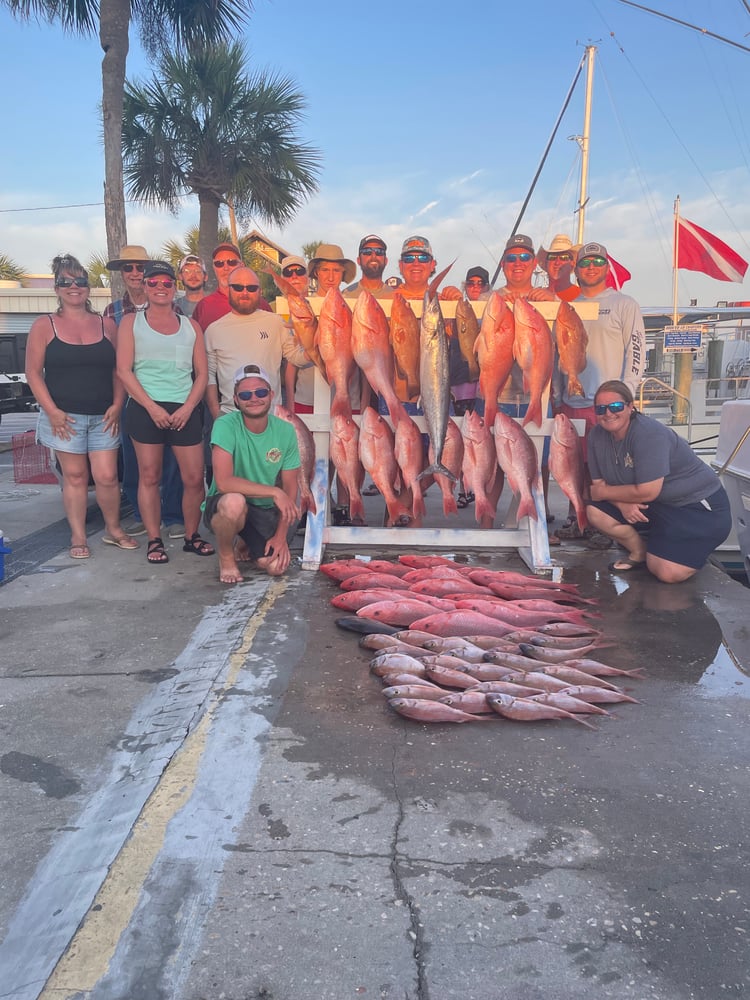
(216,305)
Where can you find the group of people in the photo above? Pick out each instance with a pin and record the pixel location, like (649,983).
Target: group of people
(200,368)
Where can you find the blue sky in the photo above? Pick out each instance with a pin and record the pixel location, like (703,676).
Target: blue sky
(432,118)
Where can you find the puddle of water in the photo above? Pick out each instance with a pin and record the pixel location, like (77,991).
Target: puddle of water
(723,677)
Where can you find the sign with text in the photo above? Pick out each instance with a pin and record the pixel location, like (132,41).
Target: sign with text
(682,338)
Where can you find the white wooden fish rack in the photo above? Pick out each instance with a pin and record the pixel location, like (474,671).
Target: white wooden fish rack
(529,538)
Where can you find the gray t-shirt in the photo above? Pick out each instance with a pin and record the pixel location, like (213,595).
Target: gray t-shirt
(650,451)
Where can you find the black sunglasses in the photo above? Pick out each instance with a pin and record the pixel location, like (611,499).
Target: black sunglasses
(69,282)
(127,268)
(226,263)
(243,288)
(249,393)
(601,408)
(293,272)
(372,251)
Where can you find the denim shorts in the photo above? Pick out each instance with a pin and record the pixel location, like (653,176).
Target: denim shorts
(87,434)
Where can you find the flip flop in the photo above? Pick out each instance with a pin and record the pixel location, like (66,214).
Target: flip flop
(627,565)
(126,542)
(79,552)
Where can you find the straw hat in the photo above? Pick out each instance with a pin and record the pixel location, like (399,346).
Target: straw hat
(559,244)
(332,254)
(130,254)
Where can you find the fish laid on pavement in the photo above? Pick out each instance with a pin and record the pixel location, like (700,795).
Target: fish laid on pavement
(344,452)
(565,700)
(385,663)
(404,338)
(432,711)
(480,462)
(370,580)
(372,350)
(472,701)
(460,621)
(401,613)
(434,375)
(546,655)
(429,692)
(306,445)
(522,710)
(533,349)
(467,331)
(572,340)
(518,459)
(377,452)
(566,465)
(353,624)
(340,569)
(494,348)
(453,456)
(334,341)
(409,451)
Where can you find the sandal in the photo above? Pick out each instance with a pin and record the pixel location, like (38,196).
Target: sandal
(198,546)
(156,553)
(626,565)
(371,491)
(464,499)
(79,551)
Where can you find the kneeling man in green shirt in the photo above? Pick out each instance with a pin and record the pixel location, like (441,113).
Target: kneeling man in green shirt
(254,489)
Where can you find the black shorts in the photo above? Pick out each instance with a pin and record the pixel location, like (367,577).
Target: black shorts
(683,535)
(140,426)
(260,524)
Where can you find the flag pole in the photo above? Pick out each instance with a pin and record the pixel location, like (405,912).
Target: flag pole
(683,361)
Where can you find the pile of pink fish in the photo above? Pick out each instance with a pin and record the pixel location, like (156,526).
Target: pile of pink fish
(476,643)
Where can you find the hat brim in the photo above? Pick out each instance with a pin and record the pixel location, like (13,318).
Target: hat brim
(117,265)
(350,268)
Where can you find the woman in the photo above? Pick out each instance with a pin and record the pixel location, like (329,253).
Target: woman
(70,368)
(161,360)
(650,492)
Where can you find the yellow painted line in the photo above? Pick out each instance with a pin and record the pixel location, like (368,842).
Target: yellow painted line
(87,957)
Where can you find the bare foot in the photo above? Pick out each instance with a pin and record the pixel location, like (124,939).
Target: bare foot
(229,573)
(241,551)
(273,565)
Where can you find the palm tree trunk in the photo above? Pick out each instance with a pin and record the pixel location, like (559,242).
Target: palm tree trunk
(114,24)
(208,227)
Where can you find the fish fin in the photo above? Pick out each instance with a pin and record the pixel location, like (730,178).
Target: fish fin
(527,508)
(435,283)
(437,468)
(484,509)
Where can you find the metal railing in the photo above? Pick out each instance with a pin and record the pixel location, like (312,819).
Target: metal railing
(671,392)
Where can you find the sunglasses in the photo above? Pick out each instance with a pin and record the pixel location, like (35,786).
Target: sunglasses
(372,252)
(592,262)
(129,268)
(416,258)
(249,393)
(601,408)
(226,263)
(293,272)
(513,257)
(475,283)
(559,256)
(243,288)
(69,282)
(155,282)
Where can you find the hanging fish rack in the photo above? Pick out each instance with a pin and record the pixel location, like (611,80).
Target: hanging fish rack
(530,539)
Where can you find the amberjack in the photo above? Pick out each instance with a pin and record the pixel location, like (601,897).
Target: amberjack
(434,375)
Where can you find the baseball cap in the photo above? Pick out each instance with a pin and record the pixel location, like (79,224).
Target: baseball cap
(192,258)
(252,371)
(293,261)
(226,246)
(520,242)
(478,272)
(592,250)
(372,239)
(417,244)
(154,267)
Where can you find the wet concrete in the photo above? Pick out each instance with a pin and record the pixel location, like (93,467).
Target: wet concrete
(205,795)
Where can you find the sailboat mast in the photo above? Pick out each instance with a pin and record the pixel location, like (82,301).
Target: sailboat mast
(675,257)
(584,141)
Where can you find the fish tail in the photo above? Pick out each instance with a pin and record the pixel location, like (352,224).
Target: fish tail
(574,386)
(527,508)
(534,413)
(449,504)
(484,509)
(437,468)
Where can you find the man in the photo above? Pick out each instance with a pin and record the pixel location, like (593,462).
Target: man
(225,258)
(254,492)
(131,264)
(518,263)
(558,263)
(477,284)
(616,349)
(329,267)
(372,261)
(299,383)
(192,273)
(246,330)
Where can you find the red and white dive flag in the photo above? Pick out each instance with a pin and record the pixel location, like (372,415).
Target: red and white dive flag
(617,275)
(698,250)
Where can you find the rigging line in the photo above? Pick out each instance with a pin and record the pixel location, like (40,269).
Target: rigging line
(543,160)
(710,70)
(684,147)
(686,24)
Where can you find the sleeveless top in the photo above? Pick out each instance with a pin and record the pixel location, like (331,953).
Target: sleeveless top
(79,377)
(163,363)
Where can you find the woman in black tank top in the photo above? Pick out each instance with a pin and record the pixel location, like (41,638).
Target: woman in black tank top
(70,367)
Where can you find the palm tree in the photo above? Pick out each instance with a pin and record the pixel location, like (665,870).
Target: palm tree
(310,249)
(205,125)
(163,25)
(10,270)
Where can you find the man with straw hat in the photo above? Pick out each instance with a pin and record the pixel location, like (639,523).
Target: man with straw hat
(558,262)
